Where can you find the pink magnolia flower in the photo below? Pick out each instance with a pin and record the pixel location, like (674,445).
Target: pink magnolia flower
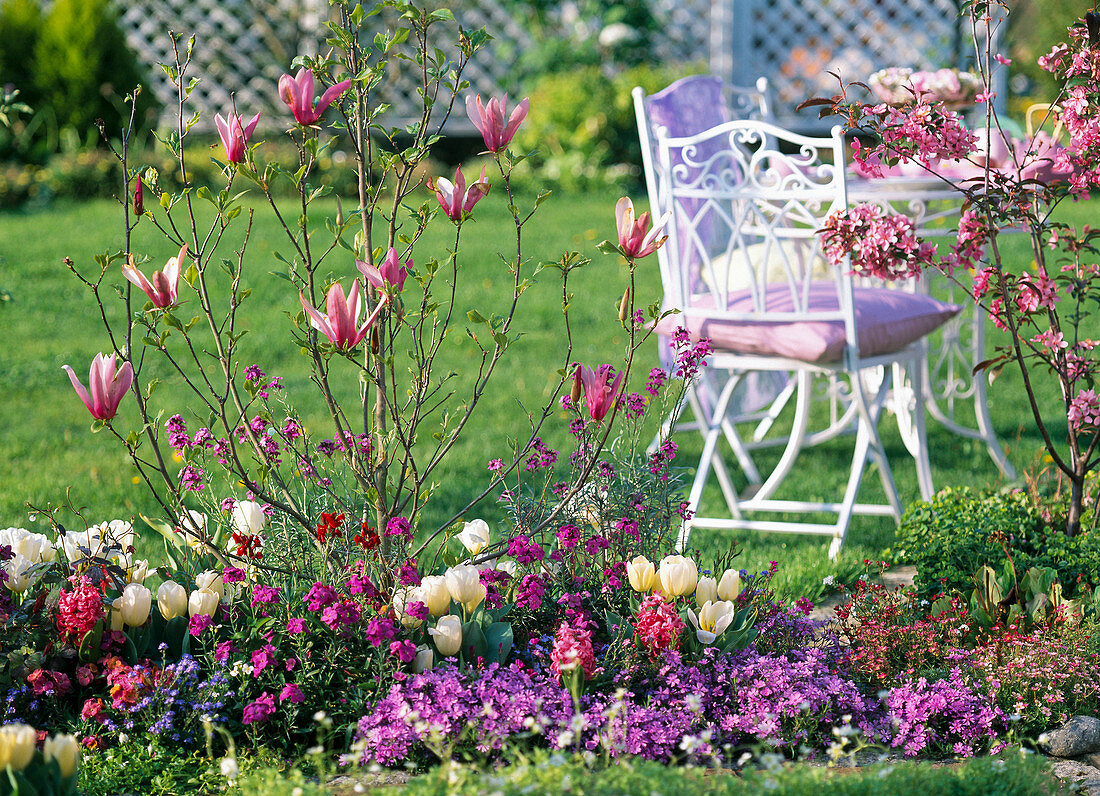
(297,93)
(489,120)
(598,394)
(390,278)
(106,383)
(163,288)
(340,327)
(234,135)
(456,199)
(635,237)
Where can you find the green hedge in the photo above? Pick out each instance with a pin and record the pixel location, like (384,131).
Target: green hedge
(949,538)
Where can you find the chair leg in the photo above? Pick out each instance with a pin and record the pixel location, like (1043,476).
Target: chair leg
(794,442)
(985,428)
(920,431)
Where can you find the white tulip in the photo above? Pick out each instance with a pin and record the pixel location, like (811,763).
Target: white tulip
(171,600)
(465,586)
(712,621)
(114,614)
(139,570)
(435,594)
(65,750)
(425,659)
(706,590)
(475,536)
(20,578)
(679,575)
(401,600)
(249,516)
(447,635)
(642,574)
(17,742)
(35,547)
(136,600)
(211,580)
(203,601)
(729,587)
(193,528)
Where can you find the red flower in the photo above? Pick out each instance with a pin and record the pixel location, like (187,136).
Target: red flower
(79,609)
(368,538)
(248,545)
(329,526)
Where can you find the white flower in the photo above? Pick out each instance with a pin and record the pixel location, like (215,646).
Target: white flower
(402,598)
(249,517)
(447,635)
(642,574)
(828,580)
(679,575)
(20,578)
(171,600)
(203,602)
(706,591)
(211,580)
(712,621)
(35,547)
(433,590)
(229,768)
(464,584)
(475,536)
(193,528)
(729,587)
(134,604)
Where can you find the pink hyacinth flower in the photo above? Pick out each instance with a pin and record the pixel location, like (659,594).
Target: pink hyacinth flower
(341,324)
(489,120)
(163,288)
(635,236)
(106,383)
(390,278)
(598,394)
(297,92)
(455,198)
(234,136)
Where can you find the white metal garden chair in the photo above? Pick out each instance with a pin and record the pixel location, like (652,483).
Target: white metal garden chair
(689,106)
(745,267)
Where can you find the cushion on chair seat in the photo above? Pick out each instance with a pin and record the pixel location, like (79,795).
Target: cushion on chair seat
(886,320)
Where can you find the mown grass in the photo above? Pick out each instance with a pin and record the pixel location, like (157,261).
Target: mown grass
(47,450)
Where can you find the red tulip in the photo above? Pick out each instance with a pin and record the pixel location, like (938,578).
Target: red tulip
(297,92)
(489,120)
(106,383)
(341,325)
(234,136)
(456,199)
(390,278)
(598,394)
(163,288)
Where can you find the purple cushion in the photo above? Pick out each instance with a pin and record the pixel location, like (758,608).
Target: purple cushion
(886,320)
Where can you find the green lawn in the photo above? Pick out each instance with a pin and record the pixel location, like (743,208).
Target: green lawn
(51,320)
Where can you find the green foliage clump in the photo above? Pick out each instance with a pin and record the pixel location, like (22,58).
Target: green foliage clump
(557,773)
(950,537)
(83,67)
(583,126)
(20,25)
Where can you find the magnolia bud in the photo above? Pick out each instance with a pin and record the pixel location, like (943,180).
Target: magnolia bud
(624,307)
(65,750)
(578,387)
(17,743)
(139,203)
(447,635)
(171,600)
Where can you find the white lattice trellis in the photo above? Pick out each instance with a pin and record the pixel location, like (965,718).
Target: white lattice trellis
(795,43)
(243,46)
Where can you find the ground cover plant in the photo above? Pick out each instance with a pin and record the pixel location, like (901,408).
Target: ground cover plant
(298,576)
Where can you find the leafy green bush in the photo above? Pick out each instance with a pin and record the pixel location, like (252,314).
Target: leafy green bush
(950,537)
(557,773)
(84,69)
(20,26)
(583,127)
